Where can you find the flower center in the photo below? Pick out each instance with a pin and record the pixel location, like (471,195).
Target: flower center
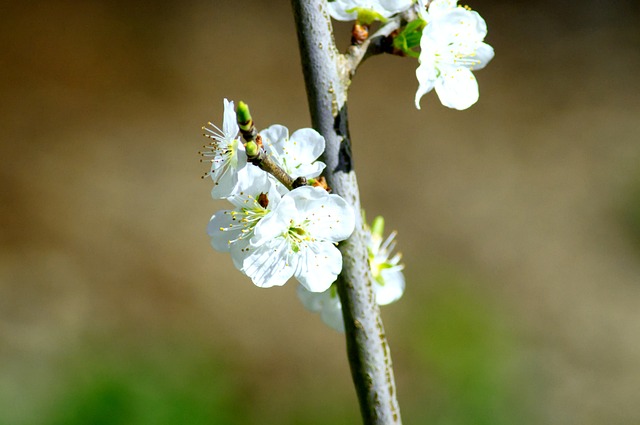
(246,218)
(297,235)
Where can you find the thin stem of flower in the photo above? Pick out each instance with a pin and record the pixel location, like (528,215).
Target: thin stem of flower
(255,151)
(378,43)
(260,158)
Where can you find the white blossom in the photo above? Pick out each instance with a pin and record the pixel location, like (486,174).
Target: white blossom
(296,154)
(348,10)
(296,239)
(451,47)
(388,285)
(231,230)
(386,269)
(226,154)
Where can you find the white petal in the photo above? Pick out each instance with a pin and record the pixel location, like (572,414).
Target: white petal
(252,181)
(438,8)
(230,121)
(239,251)
(305,145)
(331,314)
(220,238)
(457,27)
(275,223)
(308,170)
(318,266)
(395,6)
(224,172)
(338,10)
(484,53)
(393,287)
(426,81)
(272,138)
(457,88)
(269,264)
(224,182)
(330,217)
(426,73)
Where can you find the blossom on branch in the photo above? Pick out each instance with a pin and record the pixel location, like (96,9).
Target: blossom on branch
(386,269)
(388,285)
(296,239)
(451,47)
(297,154)
(231,230)
(226,154)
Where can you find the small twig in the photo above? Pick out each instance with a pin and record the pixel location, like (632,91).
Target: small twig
(256,154)
(378,43)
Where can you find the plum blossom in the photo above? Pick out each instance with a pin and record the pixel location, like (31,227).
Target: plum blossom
(366,10)
(386,269)
(296,239)
(231,230)
(226,154)
(451,47)
(296,154)
(388,285)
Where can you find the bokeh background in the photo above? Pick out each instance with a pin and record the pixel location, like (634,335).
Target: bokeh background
(519,220)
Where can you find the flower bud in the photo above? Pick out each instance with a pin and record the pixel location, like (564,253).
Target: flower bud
(244,116)
(252,149)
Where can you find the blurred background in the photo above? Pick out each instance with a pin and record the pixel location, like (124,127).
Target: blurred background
(519,220)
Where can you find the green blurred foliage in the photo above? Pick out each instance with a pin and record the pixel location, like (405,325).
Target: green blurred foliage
(460,357)
(465,354)
(144,388)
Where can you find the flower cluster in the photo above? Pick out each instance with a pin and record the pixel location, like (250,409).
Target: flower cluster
(273,233)
(388,283)
(450,37)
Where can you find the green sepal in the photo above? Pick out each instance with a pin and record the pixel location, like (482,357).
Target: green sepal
(409,37)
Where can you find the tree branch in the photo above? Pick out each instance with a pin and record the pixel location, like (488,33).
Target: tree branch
(376,44)
(327,76)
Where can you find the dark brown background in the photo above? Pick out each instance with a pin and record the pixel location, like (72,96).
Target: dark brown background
(519,220)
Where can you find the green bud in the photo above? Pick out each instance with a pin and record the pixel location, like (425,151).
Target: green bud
(252,149)
(244,116)
(377,227)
